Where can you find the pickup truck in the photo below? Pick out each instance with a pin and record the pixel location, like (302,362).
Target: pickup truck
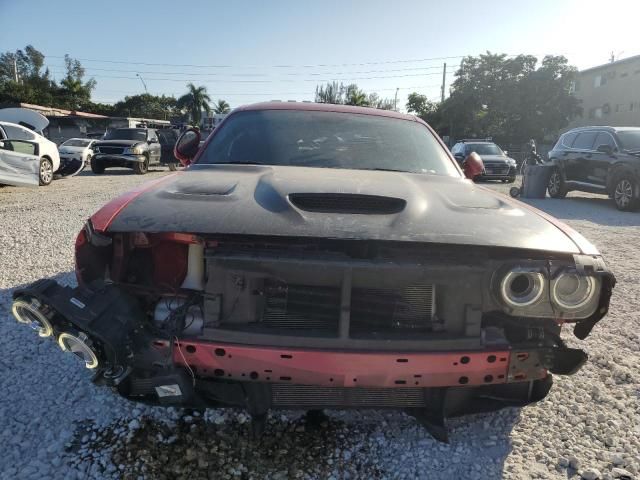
(135,148)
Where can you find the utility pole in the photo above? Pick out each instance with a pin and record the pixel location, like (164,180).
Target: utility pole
(143,84)
(444,79)
(15,69)
(395,100)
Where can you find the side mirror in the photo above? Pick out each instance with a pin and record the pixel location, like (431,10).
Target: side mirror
(187,146)
(604,148)
(472,166)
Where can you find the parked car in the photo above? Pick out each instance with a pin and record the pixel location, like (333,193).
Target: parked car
(602,160)
(19,163)
(497,165)
(168,138)
(27,125)
(323,256)
(75,153)
(135,148)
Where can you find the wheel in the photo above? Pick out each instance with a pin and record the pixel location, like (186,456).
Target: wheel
(140,168)
(514,192)
(625,192)
(96,167)
(45,173)
(556,186)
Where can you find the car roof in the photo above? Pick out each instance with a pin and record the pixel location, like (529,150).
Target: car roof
(325,107)
(593,127)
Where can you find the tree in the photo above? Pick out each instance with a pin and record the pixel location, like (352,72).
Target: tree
(194,101)
(421,106)
(146,106)
(76,93)
(221,107)
(340,94)
(355,96)
(510,99)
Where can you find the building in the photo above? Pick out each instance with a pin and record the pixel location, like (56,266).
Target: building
(211,120)
(610,94)
(65,124)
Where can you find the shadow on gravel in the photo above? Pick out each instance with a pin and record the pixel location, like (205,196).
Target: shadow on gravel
(599,210)
(197,448)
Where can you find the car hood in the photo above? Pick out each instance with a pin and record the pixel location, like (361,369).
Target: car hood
(257,200)
(117,143)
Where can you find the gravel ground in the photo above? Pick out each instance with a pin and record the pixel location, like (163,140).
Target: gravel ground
(56,424)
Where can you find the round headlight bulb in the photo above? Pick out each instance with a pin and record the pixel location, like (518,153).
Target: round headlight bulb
(521,288)
(572,291)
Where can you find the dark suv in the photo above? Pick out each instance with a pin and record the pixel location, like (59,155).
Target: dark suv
(602,160)
(497,165)
(135,148)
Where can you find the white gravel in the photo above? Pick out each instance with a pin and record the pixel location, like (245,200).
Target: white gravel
(56,424)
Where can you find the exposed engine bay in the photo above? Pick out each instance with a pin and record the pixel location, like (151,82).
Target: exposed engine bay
(437,330)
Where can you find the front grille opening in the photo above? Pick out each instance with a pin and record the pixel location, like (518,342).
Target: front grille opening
(112,150)
(410,309)
(347,203)
(301,307)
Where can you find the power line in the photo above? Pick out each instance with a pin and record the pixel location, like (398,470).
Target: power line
(435,67)
(268,81)
(319,65)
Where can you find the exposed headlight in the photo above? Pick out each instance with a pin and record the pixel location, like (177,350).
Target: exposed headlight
(571,291)
(521,288)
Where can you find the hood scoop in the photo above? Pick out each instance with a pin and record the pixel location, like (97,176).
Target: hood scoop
(347,203)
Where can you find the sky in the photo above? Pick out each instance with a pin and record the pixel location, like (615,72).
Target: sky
(247,51)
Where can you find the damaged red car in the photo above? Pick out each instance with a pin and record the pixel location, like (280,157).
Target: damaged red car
(322,256)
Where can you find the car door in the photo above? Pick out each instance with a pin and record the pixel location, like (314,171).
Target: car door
(155,149)
(19,163)
(601,161)
(581,155)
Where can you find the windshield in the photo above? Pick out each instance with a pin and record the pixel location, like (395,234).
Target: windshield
(127,134)
(328,139)
(484,149)
(630,139)
(76,142)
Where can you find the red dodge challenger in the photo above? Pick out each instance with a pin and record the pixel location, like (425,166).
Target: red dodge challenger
(322,256)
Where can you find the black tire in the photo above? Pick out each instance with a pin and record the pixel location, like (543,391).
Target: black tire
(625,191)
(514,192)
(140,168)
(96,167)
(45,171)
(556,186)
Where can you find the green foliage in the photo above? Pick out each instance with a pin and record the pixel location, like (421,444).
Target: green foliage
(422,107)
(511,99)
(35,86)
(221,107)
(146,106)
(194,101)
(338,93)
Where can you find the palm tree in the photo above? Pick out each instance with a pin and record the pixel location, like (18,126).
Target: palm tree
(194,101)
(222,107)
(357,97)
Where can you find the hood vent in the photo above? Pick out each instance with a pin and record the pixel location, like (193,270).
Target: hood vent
(347,203)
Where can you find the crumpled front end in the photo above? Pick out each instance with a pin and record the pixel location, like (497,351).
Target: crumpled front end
(263,322)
